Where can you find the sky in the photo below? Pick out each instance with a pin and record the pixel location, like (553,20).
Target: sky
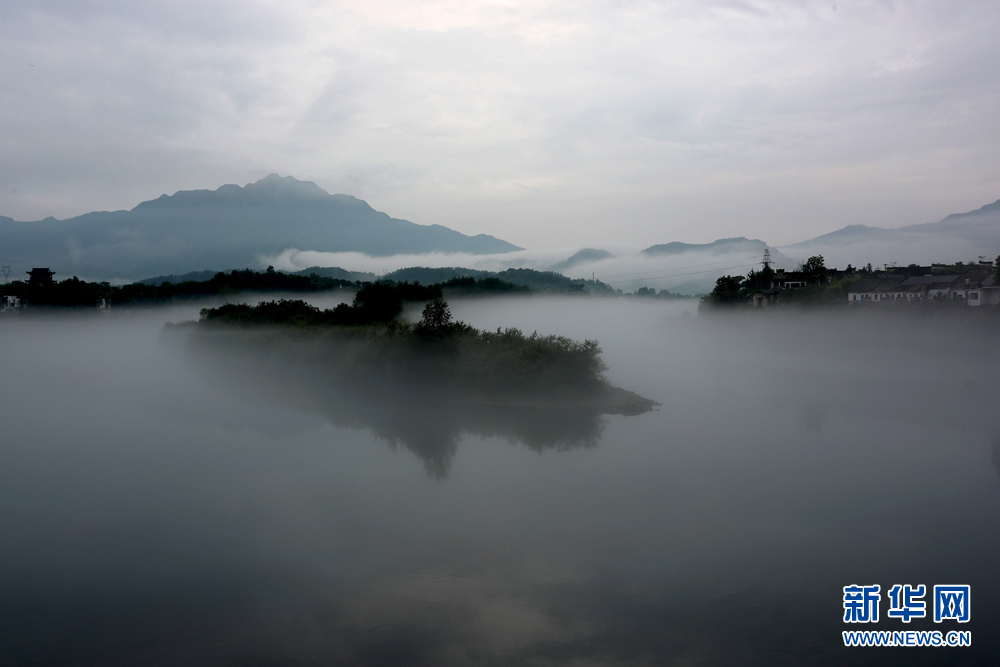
(546,123)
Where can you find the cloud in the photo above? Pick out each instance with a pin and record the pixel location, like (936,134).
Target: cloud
(630,121)
(628,269)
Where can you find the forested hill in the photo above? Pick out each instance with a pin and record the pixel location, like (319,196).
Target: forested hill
(539,281)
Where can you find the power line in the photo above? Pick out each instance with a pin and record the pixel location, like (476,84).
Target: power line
(678,275)
(677,268)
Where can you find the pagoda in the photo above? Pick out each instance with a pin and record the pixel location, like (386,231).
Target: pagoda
(39,277)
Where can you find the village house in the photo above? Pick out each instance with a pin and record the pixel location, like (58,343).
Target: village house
(974,287)
(788,279)
(987,294)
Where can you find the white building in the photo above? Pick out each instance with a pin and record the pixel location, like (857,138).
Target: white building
(987,294)
(976,288)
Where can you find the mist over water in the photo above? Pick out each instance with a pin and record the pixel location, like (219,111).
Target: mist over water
(154,510)
(626,267)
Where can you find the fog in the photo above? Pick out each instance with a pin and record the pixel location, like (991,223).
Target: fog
(159,508)
(627,268)
(902,249)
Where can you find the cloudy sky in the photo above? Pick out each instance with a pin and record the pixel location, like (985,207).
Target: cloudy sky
(546,122)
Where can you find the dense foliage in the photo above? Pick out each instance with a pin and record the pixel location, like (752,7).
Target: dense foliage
(482,286)
(537,281)
(650,292)
(822,286)
(362,344)
(78,293)
(74,292)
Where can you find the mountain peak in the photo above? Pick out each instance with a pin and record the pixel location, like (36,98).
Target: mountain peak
(274,184)
(231,226)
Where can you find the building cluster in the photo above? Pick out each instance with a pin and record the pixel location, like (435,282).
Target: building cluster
(973,286)
(776,281)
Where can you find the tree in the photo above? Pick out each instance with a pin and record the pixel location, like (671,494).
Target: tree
(757,281)
(726,291)
(815,269)
(436,316)
(378,302)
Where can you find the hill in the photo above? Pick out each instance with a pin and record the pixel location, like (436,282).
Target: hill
(231,226)
(957,237)
(739,244)
(585,256)
(540,281)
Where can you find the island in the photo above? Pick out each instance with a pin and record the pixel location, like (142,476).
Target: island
(419,384)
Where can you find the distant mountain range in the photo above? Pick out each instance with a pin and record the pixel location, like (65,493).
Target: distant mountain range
(236,227)
(232,226)
(958,237)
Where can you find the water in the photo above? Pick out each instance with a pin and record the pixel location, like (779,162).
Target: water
(154,513)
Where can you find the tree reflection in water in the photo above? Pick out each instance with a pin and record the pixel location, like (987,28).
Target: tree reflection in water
(424,417)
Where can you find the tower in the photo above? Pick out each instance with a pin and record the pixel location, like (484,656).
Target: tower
(39,277)
(766,262)
(767,273)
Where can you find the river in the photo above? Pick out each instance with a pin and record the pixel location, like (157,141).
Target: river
(151,516)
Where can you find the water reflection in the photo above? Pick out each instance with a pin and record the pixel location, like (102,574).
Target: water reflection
(416,418)
(149,518)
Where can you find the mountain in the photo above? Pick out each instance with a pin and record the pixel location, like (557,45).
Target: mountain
(990,210)
(739,244)
(585,256)
(232,226)
(958,237)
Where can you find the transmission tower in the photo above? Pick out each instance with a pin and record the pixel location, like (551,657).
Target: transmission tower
(766,262)
(5,270)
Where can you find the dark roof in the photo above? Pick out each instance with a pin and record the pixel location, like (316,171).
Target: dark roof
(877,283)
(927,280)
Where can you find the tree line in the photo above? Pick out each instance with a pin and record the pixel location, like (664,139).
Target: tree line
(76,293)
